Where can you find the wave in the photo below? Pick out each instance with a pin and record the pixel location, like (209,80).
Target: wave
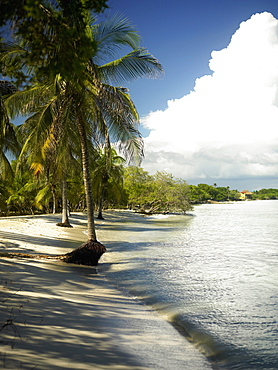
(222,355)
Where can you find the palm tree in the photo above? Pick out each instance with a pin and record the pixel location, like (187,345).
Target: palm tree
(8,139)
(107,167)
(88,100)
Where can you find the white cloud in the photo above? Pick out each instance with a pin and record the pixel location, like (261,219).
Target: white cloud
(227,127)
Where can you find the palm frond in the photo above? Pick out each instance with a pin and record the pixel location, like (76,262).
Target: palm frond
(121,119)
(38,125)
(37,167)
(138,63)
(10,142)
(6,171)
(14,55)
(27,101)
(111,35)
(43,193)
(6,88)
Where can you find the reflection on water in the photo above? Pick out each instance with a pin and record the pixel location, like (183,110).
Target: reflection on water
(213,273)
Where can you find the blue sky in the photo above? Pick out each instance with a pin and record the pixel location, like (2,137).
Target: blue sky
(183,36)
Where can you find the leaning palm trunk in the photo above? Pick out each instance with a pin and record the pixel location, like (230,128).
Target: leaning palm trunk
(87,183)
(54,199)
(89,87)
(100,207)
(65,218)
(90,252)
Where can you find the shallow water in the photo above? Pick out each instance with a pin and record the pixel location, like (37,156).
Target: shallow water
(213,273)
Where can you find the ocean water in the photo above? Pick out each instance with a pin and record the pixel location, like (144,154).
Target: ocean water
(213,274)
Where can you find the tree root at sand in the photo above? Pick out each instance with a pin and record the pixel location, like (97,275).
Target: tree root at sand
(87,254)
(64,224)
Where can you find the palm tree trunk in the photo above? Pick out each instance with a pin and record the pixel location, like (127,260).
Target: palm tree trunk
(54,200)
(65,218)
(65,215)
(107,153)
(90,252)
(87,183)
(100,215)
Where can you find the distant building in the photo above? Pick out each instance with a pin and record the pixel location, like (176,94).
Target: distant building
(245,195)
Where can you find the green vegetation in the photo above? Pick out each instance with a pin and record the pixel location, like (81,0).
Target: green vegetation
(153,194)
(68,72)
(114,185)
(63,72)
(204,193)
(265,194)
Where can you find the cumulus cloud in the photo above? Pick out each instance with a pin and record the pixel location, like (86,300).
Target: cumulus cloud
(227,127)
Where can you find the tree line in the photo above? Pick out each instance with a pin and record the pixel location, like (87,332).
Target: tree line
(265,194)
(63,71)
(114,185)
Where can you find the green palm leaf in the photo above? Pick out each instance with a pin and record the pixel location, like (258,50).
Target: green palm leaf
(136,64)
(111,35)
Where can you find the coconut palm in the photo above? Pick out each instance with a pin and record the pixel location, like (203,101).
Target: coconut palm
(8,140)
(88,101)
(53,149)
(108,168)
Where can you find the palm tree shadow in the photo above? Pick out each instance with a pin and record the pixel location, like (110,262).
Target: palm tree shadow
(65,311)
(22,239)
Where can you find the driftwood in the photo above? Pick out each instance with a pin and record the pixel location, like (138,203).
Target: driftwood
(87,254)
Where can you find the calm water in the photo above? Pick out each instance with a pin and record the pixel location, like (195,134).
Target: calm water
(213,273)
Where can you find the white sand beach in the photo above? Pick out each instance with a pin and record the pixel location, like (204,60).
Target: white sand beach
(62,316)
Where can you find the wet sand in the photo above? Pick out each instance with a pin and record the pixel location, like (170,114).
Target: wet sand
(63,316)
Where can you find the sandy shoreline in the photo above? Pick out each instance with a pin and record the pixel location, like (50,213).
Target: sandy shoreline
(62,316)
